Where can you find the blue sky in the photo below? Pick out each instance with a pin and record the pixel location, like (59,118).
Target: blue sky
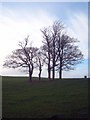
(20,19)
(59,9)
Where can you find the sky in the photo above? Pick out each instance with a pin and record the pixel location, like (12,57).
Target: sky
(19,19)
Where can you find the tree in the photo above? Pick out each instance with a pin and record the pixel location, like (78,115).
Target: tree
(56,30)
(60,49)
(50,35)
(39,62)
(69,54)
(23,57)
(46,48)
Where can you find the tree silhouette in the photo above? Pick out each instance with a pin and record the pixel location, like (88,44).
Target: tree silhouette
(46,48)
(69,54)
(39,62)
(60,49)
(23,57)
(56,30)
(59,52)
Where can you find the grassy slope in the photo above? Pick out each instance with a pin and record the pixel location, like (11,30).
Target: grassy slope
(63,98)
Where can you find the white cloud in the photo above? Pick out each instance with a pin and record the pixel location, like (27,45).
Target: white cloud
(13,29)
(79,29)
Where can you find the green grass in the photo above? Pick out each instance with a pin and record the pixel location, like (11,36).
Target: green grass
(66,98)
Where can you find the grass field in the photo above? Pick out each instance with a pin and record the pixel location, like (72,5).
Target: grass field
(66,98)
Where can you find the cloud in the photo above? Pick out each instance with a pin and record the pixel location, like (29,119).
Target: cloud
(79,29)
(15,27)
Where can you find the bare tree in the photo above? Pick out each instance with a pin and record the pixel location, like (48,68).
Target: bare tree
(69,54)
(56,30)
(39,62)
(60,49)
(47,48)
(50,36)
(23,57)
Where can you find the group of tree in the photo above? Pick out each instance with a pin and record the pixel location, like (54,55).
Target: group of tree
(58,51)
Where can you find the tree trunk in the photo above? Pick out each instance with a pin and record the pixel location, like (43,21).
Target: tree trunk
(40,72)
(30,77)
(30,74)
(40,76)
(60,71)
(53,70)
(53,73)
(49,70)
(60,74)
